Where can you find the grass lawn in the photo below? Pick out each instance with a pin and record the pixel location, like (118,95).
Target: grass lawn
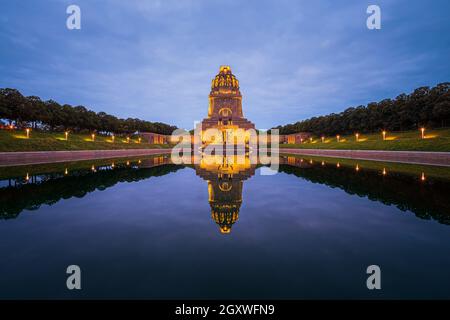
(14,140)
(435,140)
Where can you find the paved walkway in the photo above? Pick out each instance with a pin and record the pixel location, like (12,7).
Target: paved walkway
(37,157)
(415,157)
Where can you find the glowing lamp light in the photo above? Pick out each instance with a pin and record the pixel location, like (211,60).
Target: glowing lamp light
(93,137)
(384,172)
(311,139)
(113,165)
(357,167)
(384,135)
(28,132)
(422,177)
(139,161)
(128,139)
(139,139)
(357,137)
(338,165)
(66,134)
(422,131)
(27,177)
(310,161)
(128,163)
(93,168)
(323,139)
(66,171)
(338,138)
(323,163)
(301,140)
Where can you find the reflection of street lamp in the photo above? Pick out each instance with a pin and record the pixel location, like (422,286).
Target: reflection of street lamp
(357,137)
(28,132)
(384,135)
(422,130)
(338,137)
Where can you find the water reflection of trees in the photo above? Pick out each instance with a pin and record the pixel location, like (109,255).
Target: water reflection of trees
(51,188)
(427,200)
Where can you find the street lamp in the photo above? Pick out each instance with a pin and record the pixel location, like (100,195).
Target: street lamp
(28,132)
(422,130)
(93,136)
(384,135)
(338,137)
(357,137)
(323,139)
(128,139)
(66,134)
(139,139)
(112,138)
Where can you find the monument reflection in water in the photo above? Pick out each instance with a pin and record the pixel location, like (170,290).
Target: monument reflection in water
(225,176)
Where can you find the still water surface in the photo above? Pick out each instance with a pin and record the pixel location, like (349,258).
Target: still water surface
(150,229)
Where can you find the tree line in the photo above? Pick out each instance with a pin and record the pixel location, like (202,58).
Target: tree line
(423,107)
(50,115)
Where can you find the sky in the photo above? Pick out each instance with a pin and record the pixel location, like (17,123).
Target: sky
(155,59)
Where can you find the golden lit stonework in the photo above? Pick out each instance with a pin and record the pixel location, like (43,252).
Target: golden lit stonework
(225,111)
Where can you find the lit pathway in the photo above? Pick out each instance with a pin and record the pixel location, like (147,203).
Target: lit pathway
(415,157)
(37,157)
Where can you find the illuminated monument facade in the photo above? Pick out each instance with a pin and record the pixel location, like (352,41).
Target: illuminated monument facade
(225,109)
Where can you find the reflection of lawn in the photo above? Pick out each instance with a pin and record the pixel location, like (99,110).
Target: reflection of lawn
(13,140)
(435,140)
(22,171)
(390,167)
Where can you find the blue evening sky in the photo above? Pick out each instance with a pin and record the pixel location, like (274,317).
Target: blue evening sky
(155,59)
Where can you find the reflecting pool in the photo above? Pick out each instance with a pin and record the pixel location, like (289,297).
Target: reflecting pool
(147,228)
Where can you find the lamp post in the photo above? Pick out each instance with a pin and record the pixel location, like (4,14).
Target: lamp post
(357,137)
(422,130)
(28,132)
(323,139)
(384,135)
(112,138)
(139,139)
(128,139)
(338,138)
(93,136)
(66,134)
